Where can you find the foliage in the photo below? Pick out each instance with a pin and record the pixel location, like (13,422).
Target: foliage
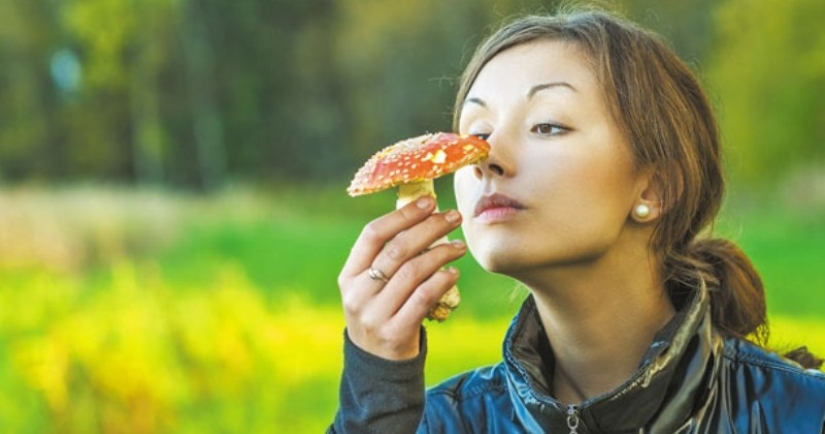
(141,356)
(198,93)
(768,71)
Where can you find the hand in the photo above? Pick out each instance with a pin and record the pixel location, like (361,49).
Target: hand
(384,317)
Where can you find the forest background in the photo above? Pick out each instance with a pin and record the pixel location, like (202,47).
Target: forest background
(172,191)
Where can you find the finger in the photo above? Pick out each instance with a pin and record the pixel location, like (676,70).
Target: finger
(379,231)
(424,298)
(383,299)
(417,239)
(413,274)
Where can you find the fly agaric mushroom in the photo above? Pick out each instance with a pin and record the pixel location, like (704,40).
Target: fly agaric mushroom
(412,165)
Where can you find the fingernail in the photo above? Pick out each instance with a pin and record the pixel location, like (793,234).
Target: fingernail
(452,216)
(424,202)
(452,270)
(458,244)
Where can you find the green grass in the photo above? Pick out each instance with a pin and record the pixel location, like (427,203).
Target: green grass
(788,251)
(231,319)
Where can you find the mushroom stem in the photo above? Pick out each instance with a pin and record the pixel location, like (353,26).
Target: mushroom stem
(406,194)
(413,190)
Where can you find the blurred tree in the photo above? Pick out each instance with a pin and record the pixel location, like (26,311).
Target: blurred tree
(98,124)
(687,25)
(199,92)
(145,94)
(768,70)
(276,91)
(321,130)
(28,119)
(201,89)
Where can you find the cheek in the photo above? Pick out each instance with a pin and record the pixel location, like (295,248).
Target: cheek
(466,187)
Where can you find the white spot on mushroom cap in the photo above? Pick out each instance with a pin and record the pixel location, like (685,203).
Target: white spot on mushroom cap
(440,157)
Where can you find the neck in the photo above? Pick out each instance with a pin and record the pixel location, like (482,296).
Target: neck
(600,323)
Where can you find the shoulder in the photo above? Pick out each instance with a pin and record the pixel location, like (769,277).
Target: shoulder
(765,386)
(746,355)
(462,402)
(471,385)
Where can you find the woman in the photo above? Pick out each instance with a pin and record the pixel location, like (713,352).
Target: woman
(604,169)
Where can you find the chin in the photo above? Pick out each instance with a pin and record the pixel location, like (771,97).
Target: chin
(503,268)
(498,257)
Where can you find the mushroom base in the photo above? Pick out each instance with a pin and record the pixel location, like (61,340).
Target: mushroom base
(445,306)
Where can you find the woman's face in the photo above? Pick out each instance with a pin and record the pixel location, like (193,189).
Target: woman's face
(559,184)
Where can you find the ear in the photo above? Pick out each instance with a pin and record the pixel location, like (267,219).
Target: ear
(648,204)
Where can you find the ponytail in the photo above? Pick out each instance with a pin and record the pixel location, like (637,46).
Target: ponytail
(736,292)
(737,295)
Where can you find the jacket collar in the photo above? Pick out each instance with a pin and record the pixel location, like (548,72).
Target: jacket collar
(661,394)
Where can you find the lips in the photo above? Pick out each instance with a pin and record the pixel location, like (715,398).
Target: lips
(496,203)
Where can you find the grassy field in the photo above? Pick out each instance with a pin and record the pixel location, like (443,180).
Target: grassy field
(147,311)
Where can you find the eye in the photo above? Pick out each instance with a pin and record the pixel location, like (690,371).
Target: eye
(549,129)
(482,136)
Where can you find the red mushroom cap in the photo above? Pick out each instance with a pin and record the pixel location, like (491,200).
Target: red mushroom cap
(417,159)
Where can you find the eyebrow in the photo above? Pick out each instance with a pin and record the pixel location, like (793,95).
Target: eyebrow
(533,90)
(475,100)
(539,87)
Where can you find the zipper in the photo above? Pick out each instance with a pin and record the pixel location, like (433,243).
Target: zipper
(573,418)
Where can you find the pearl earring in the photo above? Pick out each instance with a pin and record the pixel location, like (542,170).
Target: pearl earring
(641,211)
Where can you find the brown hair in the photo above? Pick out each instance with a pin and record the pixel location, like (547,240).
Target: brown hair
(661,108)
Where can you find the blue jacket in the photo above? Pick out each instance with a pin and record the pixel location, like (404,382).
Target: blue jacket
(692,380)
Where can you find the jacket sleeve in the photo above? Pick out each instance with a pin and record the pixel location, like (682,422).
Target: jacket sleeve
(378,395)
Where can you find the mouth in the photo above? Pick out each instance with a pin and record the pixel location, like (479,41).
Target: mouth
(496,207)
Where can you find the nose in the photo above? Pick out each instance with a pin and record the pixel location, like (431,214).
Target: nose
(498,162)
